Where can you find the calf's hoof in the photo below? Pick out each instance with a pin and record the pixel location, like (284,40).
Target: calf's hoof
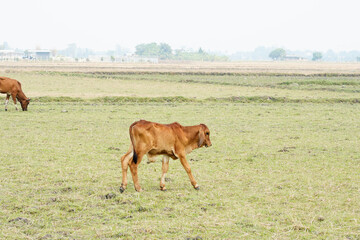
(163,189)
(122,189)
(5,109)
(197,187)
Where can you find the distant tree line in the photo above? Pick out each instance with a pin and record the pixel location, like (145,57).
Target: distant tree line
(263,54)
(164,52)
(280,54)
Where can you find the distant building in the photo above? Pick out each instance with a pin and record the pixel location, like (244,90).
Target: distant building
(293,58)
(10,55)
(38,54)
(123,59)
(136,59)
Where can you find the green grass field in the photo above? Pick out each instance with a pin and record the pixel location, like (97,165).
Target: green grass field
(284,163)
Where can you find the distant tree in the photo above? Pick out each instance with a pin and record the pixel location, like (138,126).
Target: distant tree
(200,51)
(150,49)
(181,54)
(317,56)
(112,58)
(277,54)
(358,59)
(140,49)
(165,51)
(162,50)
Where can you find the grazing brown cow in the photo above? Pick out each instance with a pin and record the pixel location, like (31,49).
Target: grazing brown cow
(170,140)
(13,87)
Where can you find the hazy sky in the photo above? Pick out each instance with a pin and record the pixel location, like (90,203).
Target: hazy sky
(223,25)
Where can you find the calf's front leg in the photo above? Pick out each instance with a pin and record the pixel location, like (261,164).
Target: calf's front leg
(186,165)
(7,101)
(14,99)
(165,167)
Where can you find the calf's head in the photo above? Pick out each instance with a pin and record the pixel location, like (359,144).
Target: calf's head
(204,136)
(24,104)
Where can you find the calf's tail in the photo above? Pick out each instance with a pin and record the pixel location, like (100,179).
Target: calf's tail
(135,157)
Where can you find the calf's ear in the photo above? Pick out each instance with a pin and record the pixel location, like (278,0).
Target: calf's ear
(201,138)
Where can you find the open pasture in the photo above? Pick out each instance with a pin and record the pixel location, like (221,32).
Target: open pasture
(284,162)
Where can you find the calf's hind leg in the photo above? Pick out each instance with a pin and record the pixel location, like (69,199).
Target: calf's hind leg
(134,171)
(124,166)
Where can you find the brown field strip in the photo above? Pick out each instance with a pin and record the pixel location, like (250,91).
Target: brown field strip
(270,67)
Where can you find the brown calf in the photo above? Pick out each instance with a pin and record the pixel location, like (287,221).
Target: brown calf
(170,140)
(13,87)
